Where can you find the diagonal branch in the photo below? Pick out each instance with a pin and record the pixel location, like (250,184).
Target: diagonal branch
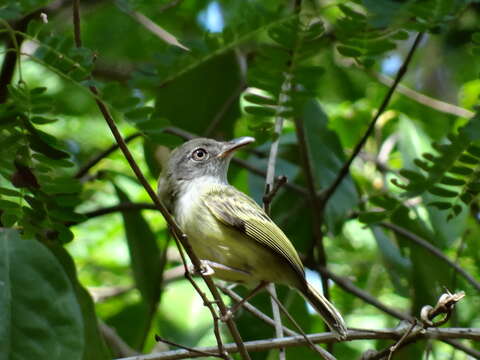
(327,194)
(426,245)
(177,232)
(423,99)
(95,160)
(315,203)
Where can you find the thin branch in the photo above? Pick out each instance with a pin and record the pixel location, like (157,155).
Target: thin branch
(322,352)
(11,57)
(432,249)
(178,234)
(315,204)
(171,343)
(224,109)
(291,341)
(97,158)
(206,302)
(327,194)
(268,197)
(253,310)
(126,206)
(115,342)
(458,345)
(423,99)
(76,23)
(348,286)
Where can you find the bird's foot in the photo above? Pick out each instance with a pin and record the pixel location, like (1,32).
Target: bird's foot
(205,268)
(227,316)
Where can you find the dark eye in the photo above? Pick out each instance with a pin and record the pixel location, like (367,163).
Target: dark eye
(200,155)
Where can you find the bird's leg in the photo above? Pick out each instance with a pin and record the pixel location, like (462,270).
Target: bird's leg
(250,295)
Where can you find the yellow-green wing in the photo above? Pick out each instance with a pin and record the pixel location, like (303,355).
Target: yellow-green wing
(235,209)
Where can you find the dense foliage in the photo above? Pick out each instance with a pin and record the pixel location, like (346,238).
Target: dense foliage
(76,225)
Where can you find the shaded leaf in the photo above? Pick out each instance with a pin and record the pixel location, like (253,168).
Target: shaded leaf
(38,303)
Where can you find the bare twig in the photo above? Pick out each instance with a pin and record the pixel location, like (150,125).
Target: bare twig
(327,194)
(97,158)
(315,204)
(206,302)
(399,343)
(423,99)
(253,310)
(100,294)
(268,197)
(348,286)
(178,234)
(322,352)
(125,206)
(76,23)
(115,342)
(267,344)
(224,109)
(432,249)
(200,352)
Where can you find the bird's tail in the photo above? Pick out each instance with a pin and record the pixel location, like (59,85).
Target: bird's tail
(327,311)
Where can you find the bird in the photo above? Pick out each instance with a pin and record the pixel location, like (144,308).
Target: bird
(227,230)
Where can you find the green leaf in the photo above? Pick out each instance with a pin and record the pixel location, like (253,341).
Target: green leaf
(437,190)
(260,110)
(188,97)
(95,348)
(144,253)
(40,317)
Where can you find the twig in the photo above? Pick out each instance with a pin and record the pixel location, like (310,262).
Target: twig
(315,204)
(323,353)
(432,249)
(169,5)
(125,206)
(458,345)
(253,310)
(97,158)
(206,303)
(100,294)
(267,344)
(348,286)
(178,234)
(115,342)
(224,109)
(200,352)
(399,343)
(327,194)
(268,197)
(76,23)
(423,99)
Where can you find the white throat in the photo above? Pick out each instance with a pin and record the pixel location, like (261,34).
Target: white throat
(190,191)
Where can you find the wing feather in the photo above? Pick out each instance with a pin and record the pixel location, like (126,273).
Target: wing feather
(235,209)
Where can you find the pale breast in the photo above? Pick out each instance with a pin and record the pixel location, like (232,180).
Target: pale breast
(213,241)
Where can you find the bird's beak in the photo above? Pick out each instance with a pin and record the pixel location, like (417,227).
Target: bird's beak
(230,146)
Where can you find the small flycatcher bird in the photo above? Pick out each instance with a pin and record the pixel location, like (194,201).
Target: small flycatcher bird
(228,231)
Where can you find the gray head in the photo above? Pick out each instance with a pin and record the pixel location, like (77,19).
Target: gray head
(198,158)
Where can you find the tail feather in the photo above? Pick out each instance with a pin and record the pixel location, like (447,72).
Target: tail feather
(327,311)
